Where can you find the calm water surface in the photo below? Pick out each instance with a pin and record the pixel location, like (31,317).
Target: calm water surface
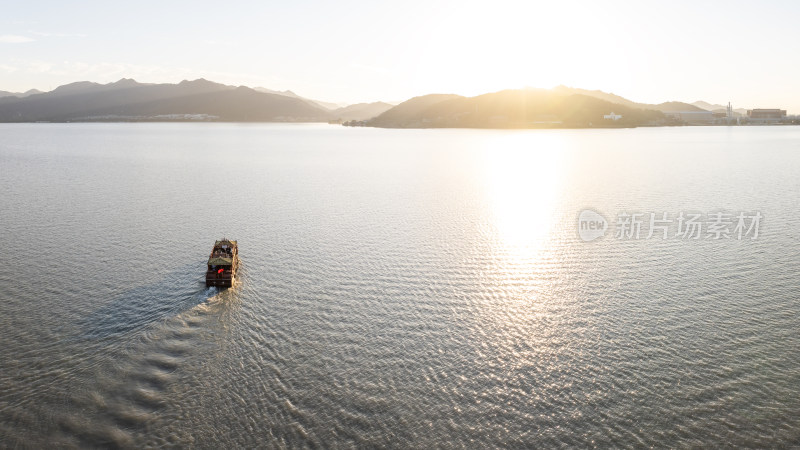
(422,288)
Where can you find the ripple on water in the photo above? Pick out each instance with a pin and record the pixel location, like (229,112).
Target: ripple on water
(422,288)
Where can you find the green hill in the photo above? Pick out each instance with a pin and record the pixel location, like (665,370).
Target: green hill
(521,108)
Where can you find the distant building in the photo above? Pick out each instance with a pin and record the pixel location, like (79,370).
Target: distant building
(692,117)
(766,115)
(612,116)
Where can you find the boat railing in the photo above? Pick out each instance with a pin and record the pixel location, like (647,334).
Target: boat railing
(218,276)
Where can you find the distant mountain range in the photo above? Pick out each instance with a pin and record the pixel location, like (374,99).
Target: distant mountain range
(664,107)
(327,105)
(741,112)
(129,100)
(611,98)
(20,94)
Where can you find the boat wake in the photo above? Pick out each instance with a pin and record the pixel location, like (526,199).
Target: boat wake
(131,388)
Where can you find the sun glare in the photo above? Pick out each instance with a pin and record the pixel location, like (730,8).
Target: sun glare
(523,181)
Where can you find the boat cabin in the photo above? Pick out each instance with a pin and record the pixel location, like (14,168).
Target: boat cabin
(223,263)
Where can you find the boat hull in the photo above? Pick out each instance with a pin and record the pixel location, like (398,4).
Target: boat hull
(219,282)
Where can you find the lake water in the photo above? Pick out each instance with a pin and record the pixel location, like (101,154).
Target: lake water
(422,288)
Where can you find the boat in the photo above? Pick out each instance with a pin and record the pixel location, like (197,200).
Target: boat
(222,263)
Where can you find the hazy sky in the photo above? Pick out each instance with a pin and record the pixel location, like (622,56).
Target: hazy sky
(744,52)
